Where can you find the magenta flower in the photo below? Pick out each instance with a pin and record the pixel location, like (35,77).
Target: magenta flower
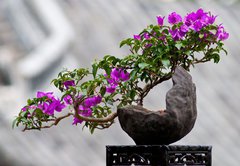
(115,74)
(82,107)
(59,106)
(118,74)
(177,34)
(89,102)
(49,95)
(45,108)
(49,110)
(110,89)
(160,20)
(87,112)
(68,99)
(190,19)
(148,45)
(204,18)
(98,99)
(184,28)
(124,75)
(197,26)
(146,35)
(24,109)
(162,37)
(92,101)
(198,20)
(69,83)
(174,18)
(200,14)
(211,19)
(31,107)
(52,104)
(223,36)
(221,33)
(137,37)
(76,121)
(112,81)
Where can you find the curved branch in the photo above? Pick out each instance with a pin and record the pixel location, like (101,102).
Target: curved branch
(56,121)
(148,87)
(108,118)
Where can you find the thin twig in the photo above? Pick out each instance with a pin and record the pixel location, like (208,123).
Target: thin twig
(148,87)
(56,121)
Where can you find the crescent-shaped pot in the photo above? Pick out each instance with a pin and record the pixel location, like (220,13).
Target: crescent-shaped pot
(147,127)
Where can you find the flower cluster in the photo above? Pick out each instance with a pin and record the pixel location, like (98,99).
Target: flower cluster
(85,108)
(51,104)
(117,75)
(194,21)
(47,103)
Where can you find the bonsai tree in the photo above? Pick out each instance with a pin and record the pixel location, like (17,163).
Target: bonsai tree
(91,95)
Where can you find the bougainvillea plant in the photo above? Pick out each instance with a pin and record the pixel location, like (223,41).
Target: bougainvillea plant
(90,95)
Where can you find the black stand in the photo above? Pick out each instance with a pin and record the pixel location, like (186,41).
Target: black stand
(159,155)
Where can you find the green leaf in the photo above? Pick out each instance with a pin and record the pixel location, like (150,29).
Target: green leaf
(225,51)
(112,59)
(23,114)
(24,120)
(201,36)
(14,122)
(94,70)
(213,31)
(92,128)
(166,62)
(38,113)
(122,43)
(143,65)
(126,41)
(30,102)
(103,90)
(40,123)
(107,69)
(56,83)
(179,45)
(31,111)
(216,57)
(133,74)
(136,47)
(143,76)
(132,94)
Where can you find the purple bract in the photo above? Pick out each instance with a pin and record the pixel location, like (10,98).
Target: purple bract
(160,20)
(69,83)
(137,37)
(174,18)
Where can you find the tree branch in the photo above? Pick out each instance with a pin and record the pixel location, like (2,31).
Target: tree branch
(106,119)
(148,87)
(56,121)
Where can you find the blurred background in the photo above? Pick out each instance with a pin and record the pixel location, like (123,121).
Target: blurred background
(39,38)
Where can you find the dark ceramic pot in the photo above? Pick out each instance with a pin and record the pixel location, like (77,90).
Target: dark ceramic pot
(147,127)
